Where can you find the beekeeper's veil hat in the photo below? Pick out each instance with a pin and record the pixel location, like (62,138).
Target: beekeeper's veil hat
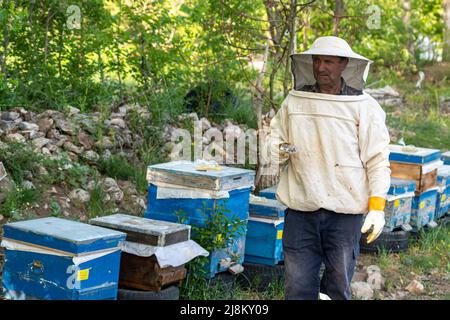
(355,74)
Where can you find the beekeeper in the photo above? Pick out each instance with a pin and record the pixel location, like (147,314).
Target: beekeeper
(336,180)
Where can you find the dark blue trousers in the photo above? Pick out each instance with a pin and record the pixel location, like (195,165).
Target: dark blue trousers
(310,238)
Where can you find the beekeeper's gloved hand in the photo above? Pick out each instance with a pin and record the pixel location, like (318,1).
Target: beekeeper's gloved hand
(374,218)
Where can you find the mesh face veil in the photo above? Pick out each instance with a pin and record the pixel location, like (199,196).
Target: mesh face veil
(355,74)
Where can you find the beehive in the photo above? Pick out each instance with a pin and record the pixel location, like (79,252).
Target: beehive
(142,272)
(399,204)
(179,192)
(52,258)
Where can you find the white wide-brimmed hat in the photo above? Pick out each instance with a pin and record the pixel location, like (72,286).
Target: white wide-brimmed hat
(355,74)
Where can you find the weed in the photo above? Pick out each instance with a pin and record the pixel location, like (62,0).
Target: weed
(17,200)
(96,205)
(217,233)
(17,158)
(55,208)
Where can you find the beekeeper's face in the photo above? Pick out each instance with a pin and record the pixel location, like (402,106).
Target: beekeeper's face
(328,69)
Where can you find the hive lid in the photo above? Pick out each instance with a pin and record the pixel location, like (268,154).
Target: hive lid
(401,186)
(269,192)
(145,231)
(446,157)
(191,174)
(64,235)
(443,176)
(264,207)
(413,154)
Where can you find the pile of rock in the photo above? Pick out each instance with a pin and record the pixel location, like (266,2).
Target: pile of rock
(364,283)
(227,129)
(387,96)
(52,131)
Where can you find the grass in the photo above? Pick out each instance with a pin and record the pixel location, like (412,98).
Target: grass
(17,200)
(18,158)
(119,167)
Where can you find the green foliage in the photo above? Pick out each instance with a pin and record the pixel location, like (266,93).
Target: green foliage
(116,166)
(97,205)
(17,158)
(64,171)
(430,250)
(219,229)
(55,208)
(119,167)
(17,201)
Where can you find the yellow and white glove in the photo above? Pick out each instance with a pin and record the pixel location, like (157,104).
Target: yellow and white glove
(374,218)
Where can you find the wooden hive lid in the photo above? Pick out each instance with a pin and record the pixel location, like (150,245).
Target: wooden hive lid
(187,174)
(146,231)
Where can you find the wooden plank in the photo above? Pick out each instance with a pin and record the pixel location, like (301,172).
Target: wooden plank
(406,171)
(411,171)
(146,231)
(427,181)
(144,273)
(185,174)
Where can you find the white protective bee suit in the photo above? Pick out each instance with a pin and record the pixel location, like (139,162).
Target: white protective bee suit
(342,141)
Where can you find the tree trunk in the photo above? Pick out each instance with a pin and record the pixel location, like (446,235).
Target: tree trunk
(47,27)
(406,22)
(338,13)
(291,45)
(259,102)
(118,50)
(4,55)
(305,29)
(446,49)
(60,48)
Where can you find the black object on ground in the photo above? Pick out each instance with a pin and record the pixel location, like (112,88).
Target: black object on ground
(260,276)
(394,241)
(169,293)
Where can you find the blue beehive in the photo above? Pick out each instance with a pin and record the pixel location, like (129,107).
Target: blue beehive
(54,258)
(265,231)
(443,196)
(264,241)
(178,192)
(413,154)
(266,208)
(423,209)
(446,158)
(399,203)
(269,193)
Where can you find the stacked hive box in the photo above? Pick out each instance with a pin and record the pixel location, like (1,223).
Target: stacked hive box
(446,158)
(399,204)
(181,191)
(265,231)
(269,193)
(155,251)
(443,196)
(421,165)
(53,258)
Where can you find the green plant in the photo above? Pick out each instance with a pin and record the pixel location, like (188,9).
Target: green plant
(116,166)
(65,171)
(96,205)
(55,208)
(17,200)
(17,158)
(217,232)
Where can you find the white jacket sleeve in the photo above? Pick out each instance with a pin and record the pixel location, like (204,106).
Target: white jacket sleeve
(278,134)
(374,149)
